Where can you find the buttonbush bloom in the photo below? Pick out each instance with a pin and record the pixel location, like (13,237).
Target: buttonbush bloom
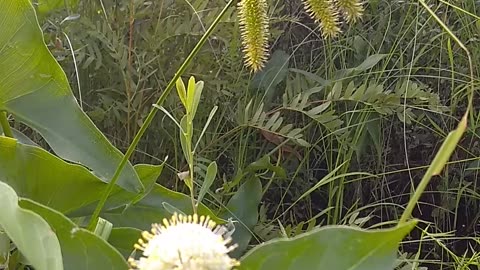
(184,243)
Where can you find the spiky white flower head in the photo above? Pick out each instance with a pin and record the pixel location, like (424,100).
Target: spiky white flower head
(185,243)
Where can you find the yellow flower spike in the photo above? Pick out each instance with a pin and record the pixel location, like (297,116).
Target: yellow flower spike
(254,32)
(185,243)
(325,13)
(352,10)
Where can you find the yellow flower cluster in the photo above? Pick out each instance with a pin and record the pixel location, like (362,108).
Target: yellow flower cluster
(254,30)
(253,19)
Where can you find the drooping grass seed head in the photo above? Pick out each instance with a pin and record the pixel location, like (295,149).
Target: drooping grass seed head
(254,32)
(351,10)
(325,13)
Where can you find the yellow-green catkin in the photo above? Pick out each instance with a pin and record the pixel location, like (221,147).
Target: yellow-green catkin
(254,31)
(351,10)
(326,14)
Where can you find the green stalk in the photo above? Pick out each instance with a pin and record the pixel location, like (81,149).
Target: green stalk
(450,143)
(5,126)
(435,168)
(151,115)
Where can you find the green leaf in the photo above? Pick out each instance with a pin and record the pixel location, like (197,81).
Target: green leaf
(151,209)
(182,93)
(81,249)
(448,146)
(207,183)
(184,141)
(191,96)
(336,91)
(210,117)
(196,98)
(29,232)
(123,239)
(243,208)
(35,90)
(148,175)
(46,6)
(20,137)
(333,247)
(319,109)
(274,72)
(264,163)
(103,228)
(370,62)
(31,171)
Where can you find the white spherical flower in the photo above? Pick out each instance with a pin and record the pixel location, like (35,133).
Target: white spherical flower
(185,243)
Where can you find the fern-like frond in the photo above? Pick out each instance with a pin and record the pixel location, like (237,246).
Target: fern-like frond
(326,14)
(254,31)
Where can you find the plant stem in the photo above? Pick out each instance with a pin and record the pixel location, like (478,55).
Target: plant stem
(128,85)
(453,137)
(435,168)
(151,115)
(5,126)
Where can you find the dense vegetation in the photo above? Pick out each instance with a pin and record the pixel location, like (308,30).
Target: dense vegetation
(332,131)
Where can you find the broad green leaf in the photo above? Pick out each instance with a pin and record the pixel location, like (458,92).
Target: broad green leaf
(81,249)
(40,176)
(243,208)
(207,183)
(123,239)
(29,232)
(335,247)
(20,137)
(35,90)
(148,175)
(151,209)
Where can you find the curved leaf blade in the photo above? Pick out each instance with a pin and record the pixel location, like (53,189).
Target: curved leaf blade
(151,209)
(335,247)
(243,208)
(34,88)
(81,249)
(123,239)
(45,6)
(31,171)
(29,232)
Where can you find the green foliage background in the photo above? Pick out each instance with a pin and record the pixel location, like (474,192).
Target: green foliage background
(331,132)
